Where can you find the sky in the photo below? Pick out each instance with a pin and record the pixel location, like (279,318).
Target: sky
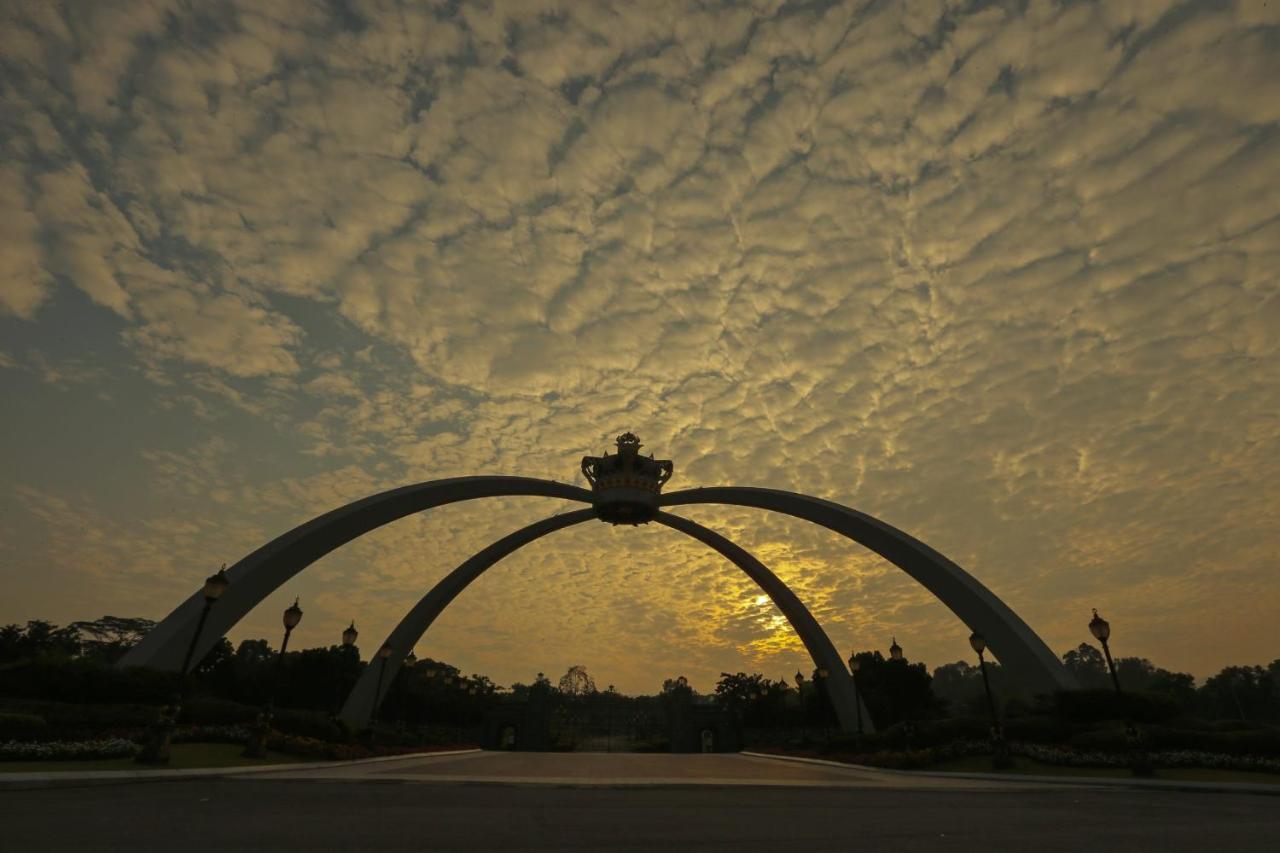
(1003,275)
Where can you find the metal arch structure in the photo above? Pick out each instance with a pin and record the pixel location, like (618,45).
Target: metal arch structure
(365,696)
(629,493)
(262,572)
(1020,650)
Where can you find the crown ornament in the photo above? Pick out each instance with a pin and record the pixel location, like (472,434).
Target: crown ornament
(626,485)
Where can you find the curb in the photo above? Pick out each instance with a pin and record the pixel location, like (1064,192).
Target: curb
(89,778)
(1078,781)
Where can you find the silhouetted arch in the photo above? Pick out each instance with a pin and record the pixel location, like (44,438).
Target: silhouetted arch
(364,696)
(259,574)
(1024,655)
(262,572)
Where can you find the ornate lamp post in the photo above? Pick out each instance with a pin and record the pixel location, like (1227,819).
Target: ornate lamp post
(895,651)
(1000,758)
(979,644)
(1101,630)
(156,750)
(349,636)
(383,654)
(257,746)
(854,666)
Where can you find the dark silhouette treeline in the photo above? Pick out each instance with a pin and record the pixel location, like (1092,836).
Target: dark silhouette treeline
(40,661)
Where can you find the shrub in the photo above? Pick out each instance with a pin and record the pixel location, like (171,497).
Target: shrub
(1092,706)
(22,726)
(70,722)
(204,711)
(86,680)
(312,724)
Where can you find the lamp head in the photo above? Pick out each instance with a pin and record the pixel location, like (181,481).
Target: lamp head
(292,615)
(895,650)
(1099,627)
(216,584)
(977,642)
(349,635)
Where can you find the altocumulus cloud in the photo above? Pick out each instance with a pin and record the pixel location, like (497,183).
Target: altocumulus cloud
(1003,274)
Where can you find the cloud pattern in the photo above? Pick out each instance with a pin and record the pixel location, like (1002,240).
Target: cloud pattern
(1003,274)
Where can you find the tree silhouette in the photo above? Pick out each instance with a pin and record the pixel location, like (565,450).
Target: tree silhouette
(576,682)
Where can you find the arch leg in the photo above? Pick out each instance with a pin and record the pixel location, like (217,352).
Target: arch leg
(262,572)
(364,697)
(1024,655)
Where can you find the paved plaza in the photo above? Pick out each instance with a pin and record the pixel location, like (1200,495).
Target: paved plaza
(530,801)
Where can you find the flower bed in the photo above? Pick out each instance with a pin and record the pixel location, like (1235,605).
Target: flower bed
(67,750)
(313,748)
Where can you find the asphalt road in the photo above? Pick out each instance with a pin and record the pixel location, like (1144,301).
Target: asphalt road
(397,811)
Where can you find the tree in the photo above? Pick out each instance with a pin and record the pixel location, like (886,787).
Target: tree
(1241,692)
(893,690)
(959,685)
(739,690)
(1088,665)
(677,685)
(576,682)
(111,636)
(36,639)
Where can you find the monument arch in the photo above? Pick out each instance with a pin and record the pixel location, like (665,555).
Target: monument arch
(626,489)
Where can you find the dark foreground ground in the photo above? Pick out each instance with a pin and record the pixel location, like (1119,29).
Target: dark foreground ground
(390,812)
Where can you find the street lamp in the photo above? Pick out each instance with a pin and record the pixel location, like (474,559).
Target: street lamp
(1001,758)
(410,659)
(292,616)
(383,654)
(156,749)
(349,636)
(799,681)
(1101,630)
(854,666)
(257,746)
(214,586)
(895,650)
(979,644)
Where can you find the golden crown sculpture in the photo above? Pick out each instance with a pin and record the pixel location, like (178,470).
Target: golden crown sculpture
(626,484)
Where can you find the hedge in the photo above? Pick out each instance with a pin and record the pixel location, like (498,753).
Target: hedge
(21,726)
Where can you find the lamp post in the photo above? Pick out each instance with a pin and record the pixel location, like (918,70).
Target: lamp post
(349,636)
(383,654)
(1101,630)
(156,749)
(824,701)
(800,701)
(854,666)
(895,651)
(1000,752)
(257,746)
(979,644)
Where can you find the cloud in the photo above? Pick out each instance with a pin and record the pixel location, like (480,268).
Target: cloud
(1004,276)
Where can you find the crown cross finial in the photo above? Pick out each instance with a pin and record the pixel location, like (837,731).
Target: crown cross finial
(626,484)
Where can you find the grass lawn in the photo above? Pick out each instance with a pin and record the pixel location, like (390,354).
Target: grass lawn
(184,755)
(1025,766)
